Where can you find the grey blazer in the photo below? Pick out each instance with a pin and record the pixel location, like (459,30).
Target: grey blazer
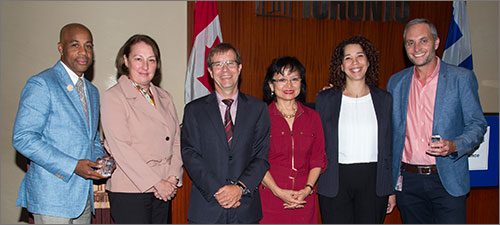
(457,116)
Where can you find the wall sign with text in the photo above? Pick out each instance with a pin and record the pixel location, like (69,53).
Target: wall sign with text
(483,163)
(382,11)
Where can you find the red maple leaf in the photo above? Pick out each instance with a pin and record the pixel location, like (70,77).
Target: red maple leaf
(206,80)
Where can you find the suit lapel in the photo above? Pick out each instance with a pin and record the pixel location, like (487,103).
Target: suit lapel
(138,102)
(405,92)
(214,115)
(337,96)
(69,88)
(93,105)
(441,90)
(161,112)
(240,119)
(335,109)
(160,101)
(377,105)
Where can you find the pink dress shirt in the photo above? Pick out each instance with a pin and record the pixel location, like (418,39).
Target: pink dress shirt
(420,118)
(222,107)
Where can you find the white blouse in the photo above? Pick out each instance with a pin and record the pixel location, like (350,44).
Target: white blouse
(357,130)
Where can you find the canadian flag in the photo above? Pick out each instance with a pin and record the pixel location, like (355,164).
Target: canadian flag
(207,33)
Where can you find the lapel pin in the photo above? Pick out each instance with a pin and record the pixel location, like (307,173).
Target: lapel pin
(69,87)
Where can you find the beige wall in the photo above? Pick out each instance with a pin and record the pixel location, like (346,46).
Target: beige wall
(484,25)
(29,33)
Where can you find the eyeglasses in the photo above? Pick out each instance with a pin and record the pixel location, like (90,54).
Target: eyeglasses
(231,64)
(283,81)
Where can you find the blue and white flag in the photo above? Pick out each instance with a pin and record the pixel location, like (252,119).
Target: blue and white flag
(457,49)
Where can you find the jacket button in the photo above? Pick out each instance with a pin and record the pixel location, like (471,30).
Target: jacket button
(167,138)
(230,157)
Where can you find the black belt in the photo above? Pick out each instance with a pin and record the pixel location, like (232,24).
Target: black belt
(420,169)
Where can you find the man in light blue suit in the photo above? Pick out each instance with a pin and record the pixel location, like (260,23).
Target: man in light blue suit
(56,129)
(433,98)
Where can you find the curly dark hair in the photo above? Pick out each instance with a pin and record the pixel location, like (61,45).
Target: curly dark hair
(338,77)
(279,65)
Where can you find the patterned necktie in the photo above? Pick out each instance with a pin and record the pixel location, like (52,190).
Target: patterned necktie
(228,122)
(81,93)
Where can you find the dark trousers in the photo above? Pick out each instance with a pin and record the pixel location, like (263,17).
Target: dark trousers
(138,208)
(356,201)
(423,199)
(227,217)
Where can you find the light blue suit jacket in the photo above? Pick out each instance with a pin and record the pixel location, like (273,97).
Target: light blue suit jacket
(457,116)
(52,131)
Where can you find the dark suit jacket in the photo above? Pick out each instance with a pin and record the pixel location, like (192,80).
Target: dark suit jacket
(328,105)
(212,163)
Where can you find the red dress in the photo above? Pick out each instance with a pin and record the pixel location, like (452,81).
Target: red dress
(303,148)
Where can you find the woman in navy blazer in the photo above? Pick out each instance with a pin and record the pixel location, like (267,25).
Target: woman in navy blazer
(356,117)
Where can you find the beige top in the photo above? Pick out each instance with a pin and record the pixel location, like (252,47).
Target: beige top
(144,139)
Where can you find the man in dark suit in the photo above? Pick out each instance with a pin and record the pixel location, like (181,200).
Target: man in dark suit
(433,98)
(226,160)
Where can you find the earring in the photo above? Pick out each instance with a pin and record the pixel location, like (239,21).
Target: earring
(272,93)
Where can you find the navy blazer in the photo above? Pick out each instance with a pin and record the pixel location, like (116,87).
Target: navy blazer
(212,163)
(457,116)
(328,105)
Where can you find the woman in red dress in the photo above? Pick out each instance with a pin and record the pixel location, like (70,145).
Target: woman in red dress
(297,152)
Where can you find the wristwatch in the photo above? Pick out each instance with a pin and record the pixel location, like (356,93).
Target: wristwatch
(243,187)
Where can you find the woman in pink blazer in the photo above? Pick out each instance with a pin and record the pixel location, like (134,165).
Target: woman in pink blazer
(142,134)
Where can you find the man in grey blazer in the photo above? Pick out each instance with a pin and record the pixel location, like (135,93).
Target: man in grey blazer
(56,129)
(226,160)
(431,98)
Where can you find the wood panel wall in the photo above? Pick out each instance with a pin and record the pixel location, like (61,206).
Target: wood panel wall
(260,39)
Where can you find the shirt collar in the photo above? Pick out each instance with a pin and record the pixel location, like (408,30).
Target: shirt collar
(72,75)
(220,97)
(434,72)
(139,88)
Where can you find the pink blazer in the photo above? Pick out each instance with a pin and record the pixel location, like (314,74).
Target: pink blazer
(144,140)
